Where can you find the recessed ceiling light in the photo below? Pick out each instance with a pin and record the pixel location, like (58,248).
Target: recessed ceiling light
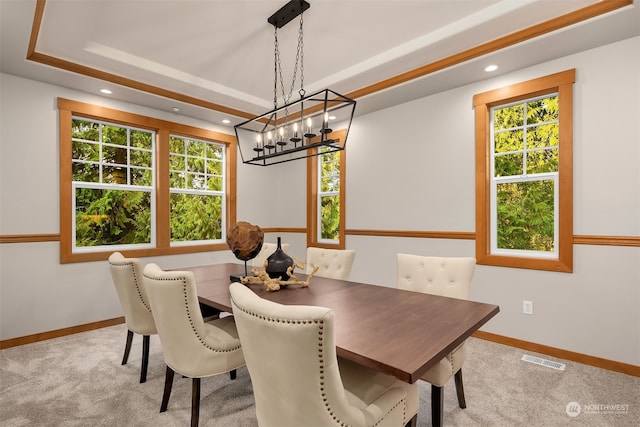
(226,121)
(491,68)
(106,91)
(175,109)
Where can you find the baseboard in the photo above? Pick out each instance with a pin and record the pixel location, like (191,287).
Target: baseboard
(597,362)
(13,342)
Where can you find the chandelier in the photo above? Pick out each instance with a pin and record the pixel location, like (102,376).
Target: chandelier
(300,128)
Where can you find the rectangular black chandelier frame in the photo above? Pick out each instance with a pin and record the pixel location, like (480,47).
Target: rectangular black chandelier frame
(296,130)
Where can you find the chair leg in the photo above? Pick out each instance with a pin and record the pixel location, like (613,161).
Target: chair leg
(195,402)
(437,398)
(460,389)
(168,382)
(145,358)
(127,347)
(232,374)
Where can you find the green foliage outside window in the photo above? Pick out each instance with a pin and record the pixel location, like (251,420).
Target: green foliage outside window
(526,140)
(197,169)
(112,217)
(109,154)
(330,195)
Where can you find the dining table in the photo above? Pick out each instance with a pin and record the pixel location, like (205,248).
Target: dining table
(396,332)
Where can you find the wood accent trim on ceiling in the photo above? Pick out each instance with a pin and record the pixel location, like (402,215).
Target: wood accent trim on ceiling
(579,15)
(33,55)
(578,239)
(596,9)
(585,359)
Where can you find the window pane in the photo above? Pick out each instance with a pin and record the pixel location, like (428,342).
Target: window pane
(214,167)
(114,155)
(525,215)
(195,148)
(141,139)
(509,141)
(195,164)
(114,135)
(177,163)
(176,180)
(215,183)
(508,117)
(141,158)
(330,221)
(176,145)
(509,164)
(114,175)
(85,172)
(543,136)
(112,217)
(195,217)
(84,129)
(542,110)
(541,161)
(85,151)
(140,176)
(196,181)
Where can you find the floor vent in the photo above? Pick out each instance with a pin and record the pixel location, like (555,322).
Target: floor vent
(543,362)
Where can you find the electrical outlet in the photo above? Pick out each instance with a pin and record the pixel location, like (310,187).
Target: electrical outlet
(527,307)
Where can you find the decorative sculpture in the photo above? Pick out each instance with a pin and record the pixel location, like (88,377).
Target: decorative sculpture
(245,241)
(261,277)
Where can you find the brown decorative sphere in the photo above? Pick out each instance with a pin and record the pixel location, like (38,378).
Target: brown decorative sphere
(245,240)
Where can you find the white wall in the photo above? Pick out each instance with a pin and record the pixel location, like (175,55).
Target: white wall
(427,184)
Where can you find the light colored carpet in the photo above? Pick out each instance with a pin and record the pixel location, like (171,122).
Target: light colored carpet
(78,381)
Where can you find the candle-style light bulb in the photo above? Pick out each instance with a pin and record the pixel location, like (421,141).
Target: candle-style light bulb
(325,125)
(295,138)
(309,131)
(258,147)
(281,142)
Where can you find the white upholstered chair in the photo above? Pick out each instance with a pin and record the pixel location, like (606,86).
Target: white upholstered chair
(127,278)
(331,263)
(444,276)
(265,252)
(296,376)
(191,347)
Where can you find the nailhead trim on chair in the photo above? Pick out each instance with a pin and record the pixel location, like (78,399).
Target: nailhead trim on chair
(184,289)
(321,361)
(136,281)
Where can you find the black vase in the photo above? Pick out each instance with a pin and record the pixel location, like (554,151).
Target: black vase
(278,263)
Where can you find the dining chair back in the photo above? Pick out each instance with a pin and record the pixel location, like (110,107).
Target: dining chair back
(297,377)
(443,276)
(126,274)
(191,347)
(331,263)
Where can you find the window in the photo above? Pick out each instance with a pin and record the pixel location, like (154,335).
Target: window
(325,197)
(197,184)
(524,188)
(140,185)
(112,183)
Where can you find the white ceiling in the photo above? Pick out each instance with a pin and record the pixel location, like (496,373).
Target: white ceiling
(220,52)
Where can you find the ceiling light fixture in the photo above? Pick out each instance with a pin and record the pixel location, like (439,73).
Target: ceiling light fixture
(491,68)
(106,91)
(301,128)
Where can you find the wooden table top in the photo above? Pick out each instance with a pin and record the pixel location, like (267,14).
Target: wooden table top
(401,333)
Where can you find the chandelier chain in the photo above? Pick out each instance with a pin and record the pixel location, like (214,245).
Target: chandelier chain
(278,68)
